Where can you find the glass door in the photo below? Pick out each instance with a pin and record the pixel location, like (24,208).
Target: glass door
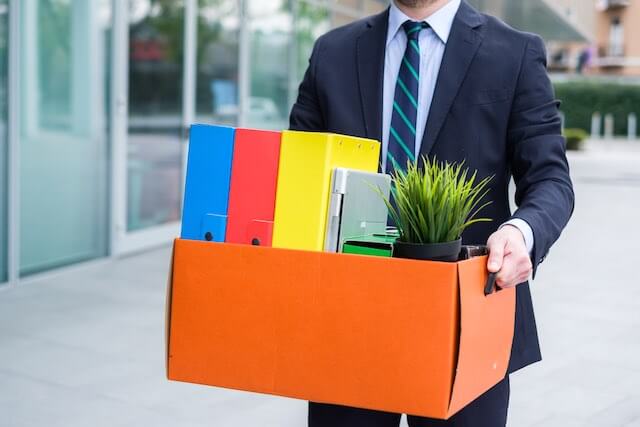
(150,118)
(62,132)
(181,66)
(271,52)
(217,62)
(4,55)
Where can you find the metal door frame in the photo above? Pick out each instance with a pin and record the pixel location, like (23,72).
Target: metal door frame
(123,241)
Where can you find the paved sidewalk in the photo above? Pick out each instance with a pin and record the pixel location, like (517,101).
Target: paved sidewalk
(85,348)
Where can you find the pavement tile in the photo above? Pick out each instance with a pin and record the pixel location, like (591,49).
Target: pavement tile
(30,403)
(620,414)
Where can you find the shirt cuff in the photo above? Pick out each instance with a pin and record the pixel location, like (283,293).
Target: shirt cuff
(525,229)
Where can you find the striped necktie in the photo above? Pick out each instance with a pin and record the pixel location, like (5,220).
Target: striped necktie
(402,137)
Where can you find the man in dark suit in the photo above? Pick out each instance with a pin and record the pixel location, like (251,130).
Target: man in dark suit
(438,78)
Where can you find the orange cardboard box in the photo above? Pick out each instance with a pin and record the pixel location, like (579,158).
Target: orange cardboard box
(389,334)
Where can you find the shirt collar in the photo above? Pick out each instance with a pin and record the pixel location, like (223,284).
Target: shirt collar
(441,21)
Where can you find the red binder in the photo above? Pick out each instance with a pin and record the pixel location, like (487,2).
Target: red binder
(252,195)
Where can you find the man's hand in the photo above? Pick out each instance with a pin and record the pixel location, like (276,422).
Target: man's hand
(508,256)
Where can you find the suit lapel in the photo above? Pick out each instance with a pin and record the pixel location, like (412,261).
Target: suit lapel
(463,43)
(370,51)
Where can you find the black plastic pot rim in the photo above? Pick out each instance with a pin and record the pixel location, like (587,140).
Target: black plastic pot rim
(444,252)
(433,245)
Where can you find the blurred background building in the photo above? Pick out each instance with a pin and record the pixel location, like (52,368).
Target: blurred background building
(618,36)
(96,98)
(567,26)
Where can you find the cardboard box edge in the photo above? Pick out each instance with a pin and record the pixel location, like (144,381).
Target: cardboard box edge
(167,316)
(451,411)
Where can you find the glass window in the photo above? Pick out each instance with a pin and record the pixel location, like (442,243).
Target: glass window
(63,131)
(217,62)
(154,168)
(4,52)
(616,37)
(272,64)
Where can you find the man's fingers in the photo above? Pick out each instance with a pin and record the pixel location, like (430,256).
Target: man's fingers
(525,267)
(516,269)
(496,247)
(508,273)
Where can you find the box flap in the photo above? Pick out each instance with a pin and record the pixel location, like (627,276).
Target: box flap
(486,334)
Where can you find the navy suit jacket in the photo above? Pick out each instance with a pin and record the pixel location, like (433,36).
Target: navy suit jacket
(493,107)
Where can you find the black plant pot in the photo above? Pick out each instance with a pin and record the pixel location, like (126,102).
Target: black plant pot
(447,252)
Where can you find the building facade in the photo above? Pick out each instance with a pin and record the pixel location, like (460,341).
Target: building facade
(576,53)
(618,37)
(96,98)
(566,25)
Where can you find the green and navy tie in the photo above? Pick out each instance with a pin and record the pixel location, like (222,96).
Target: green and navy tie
(402,137)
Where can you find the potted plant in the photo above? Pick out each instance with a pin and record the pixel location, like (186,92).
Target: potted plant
(432,206)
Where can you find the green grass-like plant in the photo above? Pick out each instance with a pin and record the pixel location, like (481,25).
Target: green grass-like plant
(436,203)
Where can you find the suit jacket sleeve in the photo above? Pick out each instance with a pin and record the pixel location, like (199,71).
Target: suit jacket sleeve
(306,114)
(544,192)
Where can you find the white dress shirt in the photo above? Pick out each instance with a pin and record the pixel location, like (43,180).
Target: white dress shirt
(432,43)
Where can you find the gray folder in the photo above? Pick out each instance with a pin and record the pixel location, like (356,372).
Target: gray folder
(355,207)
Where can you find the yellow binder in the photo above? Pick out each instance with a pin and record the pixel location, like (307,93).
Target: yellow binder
(304,177)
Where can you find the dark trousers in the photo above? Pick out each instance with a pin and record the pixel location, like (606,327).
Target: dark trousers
(488,410)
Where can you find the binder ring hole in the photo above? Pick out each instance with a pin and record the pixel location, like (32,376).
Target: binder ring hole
(208,236)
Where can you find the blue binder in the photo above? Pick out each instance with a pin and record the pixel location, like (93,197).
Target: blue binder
(206,193)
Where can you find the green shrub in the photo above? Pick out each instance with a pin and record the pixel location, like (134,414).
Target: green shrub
(575,138)
(581,99)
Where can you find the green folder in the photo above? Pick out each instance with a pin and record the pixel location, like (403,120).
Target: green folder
(375,245)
